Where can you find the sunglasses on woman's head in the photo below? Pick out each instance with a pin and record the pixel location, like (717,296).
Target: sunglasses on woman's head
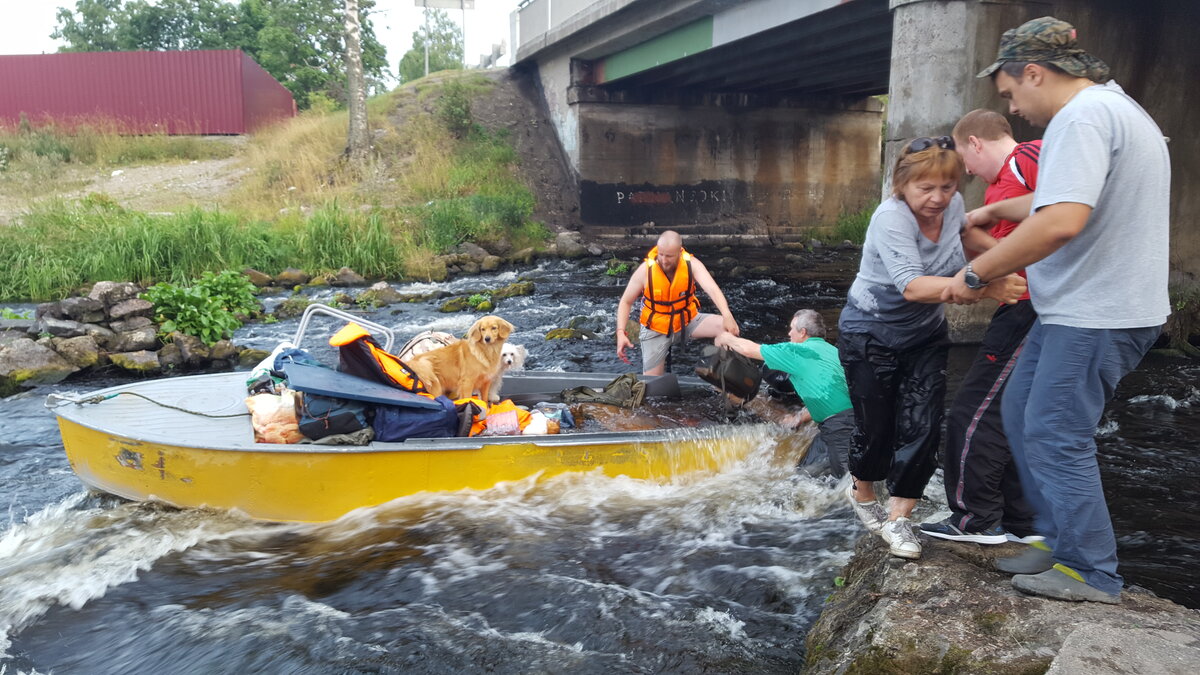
(925,142)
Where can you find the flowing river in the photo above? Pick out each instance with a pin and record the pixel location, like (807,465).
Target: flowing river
(580,573)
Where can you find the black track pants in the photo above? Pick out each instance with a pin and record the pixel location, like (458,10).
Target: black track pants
(898,398)
(982,486)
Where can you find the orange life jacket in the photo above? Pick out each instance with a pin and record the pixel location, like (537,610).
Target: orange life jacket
(361,355)
(668,304)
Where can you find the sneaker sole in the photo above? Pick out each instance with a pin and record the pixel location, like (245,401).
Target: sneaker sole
(1028,539)
(907,555)
(974,538)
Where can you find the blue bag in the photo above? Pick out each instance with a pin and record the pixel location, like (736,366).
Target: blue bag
(396,423)
(321,416)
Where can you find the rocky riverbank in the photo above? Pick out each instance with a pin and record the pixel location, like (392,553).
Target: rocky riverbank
(950,612)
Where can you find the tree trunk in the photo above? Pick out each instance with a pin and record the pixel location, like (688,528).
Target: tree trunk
(357,141)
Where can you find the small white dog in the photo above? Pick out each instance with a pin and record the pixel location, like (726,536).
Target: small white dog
(512,357)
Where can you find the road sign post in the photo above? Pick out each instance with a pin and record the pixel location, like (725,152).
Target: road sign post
(464,5)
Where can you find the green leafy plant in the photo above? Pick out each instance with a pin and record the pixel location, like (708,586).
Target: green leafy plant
(616,268)
(478,298)
(7,313)
(207,308)
(454,108)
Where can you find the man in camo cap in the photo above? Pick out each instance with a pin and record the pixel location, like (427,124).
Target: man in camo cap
(1101,204)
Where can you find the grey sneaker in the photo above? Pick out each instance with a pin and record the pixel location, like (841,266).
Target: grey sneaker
(1059,585)
(899,535)
(872,514)
(946,529)
(1027,539)
(1035,560)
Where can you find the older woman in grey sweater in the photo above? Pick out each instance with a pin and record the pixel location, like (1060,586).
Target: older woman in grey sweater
(893,338)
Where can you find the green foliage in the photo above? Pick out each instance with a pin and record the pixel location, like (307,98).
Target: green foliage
(616,268)
(97,145)
(9,313)
(450,222)
(207,308)
(332,238)
(853,226)
(445,41)
(300,42)
(454,108)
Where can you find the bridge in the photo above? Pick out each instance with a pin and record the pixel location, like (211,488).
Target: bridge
(767,117)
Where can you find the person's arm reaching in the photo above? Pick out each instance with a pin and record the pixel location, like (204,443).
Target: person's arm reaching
(740,345)
(1015,209)
(705,281)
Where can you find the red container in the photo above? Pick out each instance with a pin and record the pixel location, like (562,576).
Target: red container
(194,92)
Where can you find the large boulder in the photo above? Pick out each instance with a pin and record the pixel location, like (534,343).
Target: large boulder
(18,326)
(513,290)
(82,351)
(114,292)
(104,336)
(472,251)
(570,245)
(348,277)
(127,309)
(490,263)
(132,323)
(83,310)
(292,277)
(58,327)
(380,295)
(142,362)
(134,340)
(522,257)
(259,279)
(223,350)
(951,612)
(195,353)
(24,362)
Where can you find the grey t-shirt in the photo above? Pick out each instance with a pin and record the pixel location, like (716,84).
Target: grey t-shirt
(1103,150)
(894,253)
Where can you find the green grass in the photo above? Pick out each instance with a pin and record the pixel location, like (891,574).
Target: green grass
(100,144)
(853,226)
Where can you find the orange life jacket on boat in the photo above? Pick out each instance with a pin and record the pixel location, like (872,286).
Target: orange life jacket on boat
(668,304)
(361,355)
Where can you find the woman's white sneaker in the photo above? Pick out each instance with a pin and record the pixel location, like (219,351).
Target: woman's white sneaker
(899,535)
(872,514)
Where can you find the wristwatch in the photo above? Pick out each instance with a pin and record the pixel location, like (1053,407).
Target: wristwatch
(972,280)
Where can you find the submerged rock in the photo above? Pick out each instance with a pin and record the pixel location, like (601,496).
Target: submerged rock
(950,612)
(570,334)
(514,289)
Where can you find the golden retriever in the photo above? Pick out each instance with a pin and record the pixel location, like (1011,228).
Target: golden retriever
(468,366)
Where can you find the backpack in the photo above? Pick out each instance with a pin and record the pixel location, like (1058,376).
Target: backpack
(730,372)
(394,423)
(322,416)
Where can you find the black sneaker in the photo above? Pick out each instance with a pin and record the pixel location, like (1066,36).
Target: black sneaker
(946,529)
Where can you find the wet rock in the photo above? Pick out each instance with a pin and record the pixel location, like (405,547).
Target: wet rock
(490,263)
(132,323)
(114,292)
(761,271)
(1099,649)
(588,323)
(595,250)
(499,246)
(194,352)
(24,362)
(169,357)
(18,325)
(737,272)
(794,259)
(132,307)
(251,357)
(727,262)
(950,612)
(320,280)
(134,340)
(458,304)
(848,245)
(82,351)
(259,279)
(380,295)
(82,309)
(292,307)
(223,350)
(103,335)
(343,299)
(522,257)
(469,267)
(348,277)
(473,252)
(53,310)
(292,277)
(815,244)
(143,362)
(570,334)
(967,323)
(58,327)
(513,290)
(485,306)
(421,297)
(570,245)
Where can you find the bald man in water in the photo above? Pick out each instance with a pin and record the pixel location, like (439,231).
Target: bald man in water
(670,314)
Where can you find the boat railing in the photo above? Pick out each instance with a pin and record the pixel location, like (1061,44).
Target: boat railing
(377,328)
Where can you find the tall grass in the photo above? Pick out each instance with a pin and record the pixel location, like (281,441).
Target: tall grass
(101,143)
(853,226)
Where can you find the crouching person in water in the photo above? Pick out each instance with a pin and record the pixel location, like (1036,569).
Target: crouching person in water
(893,337)
(813,368)
(666,282)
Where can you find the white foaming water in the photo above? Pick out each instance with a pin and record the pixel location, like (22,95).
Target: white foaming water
(67,555)
(1190,398)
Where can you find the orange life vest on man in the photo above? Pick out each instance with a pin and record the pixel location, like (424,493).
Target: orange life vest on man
(668,304)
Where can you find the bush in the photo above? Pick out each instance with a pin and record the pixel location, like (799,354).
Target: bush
(205,309)
(454,108)
(853,226)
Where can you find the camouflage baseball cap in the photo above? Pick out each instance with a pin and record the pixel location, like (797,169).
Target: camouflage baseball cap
(1047,40)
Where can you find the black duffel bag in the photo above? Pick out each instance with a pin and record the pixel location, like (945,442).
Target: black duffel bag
(730,372)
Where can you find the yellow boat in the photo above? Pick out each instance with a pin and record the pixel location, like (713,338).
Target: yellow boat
(132,446)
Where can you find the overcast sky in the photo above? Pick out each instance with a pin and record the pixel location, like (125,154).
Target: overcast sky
(27,24)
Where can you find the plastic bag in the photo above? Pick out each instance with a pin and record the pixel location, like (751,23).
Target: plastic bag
(538,424)
(273,417)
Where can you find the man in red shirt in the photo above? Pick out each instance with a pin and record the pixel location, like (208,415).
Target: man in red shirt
(982,486)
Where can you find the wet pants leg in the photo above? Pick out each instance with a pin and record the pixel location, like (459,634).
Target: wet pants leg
(898,398)
(1055,399)
(982,485)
